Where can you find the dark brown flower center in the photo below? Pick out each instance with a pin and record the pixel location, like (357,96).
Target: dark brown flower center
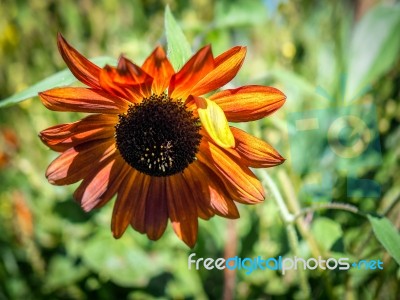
(158,136)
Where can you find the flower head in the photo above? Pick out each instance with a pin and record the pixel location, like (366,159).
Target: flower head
(156,141)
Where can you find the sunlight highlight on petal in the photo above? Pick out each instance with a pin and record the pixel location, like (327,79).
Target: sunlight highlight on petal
(215,123)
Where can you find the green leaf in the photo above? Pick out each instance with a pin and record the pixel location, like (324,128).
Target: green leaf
(63,272)
(179,50)
(187,283)
(58,79)
(374,48)
(387,235)
(326,232)
(122,261)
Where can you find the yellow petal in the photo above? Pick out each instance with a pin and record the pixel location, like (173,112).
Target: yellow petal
(213,119)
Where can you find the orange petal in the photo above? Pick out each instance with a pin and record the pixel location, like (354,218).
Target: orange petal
(102,183)
(239,180)
(64,136)
(124,205)
(158,66)
(84,70)
(182,211)
(226,67)
(156,208)
(75,163)
(193,71)
(255,152)
(249,103)
(82,100)
(214,193)
(127,80)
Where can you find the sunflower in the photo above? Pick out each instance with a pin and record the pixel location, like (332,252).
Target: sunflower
(153,138)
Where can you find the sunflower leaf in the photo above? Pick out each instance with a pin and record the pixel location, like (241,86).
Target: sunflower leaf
(326,232)
(179,50)
(124,262)
(58,79)
(387,235)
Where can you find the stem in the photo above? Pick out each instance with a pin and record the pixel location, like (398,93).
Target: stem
(323,206)
(294,245)
(294,206)
(286,215)
(288,219)
(230,251)
(302,226)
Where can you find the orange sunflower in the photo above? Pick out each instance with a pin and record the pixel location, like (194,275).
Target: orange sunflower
(154,139)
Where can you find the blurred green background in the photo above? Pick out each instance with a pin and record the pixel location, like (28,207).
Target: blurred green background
(321,54)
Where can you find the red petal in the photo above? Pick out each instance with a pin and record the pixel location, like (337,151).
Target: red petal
(110,192)
(249,103)
(75,163)
(84,70)
(156,208)
(182,211)
(138,195)
(102,183)
(107,76)
(158,66)
(124,205)
(82,100)
(255,152)
(240,182)
(226,67)
(128,80)
(200,191)
(149,205)
(64,136)
(213,191)
(193,71)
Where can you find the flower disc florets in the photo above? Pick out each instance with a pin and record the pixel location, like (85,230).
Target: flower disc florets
(159,136)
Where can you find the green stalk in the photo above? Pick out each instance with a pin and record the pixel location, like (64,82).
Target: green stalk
(288,219)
